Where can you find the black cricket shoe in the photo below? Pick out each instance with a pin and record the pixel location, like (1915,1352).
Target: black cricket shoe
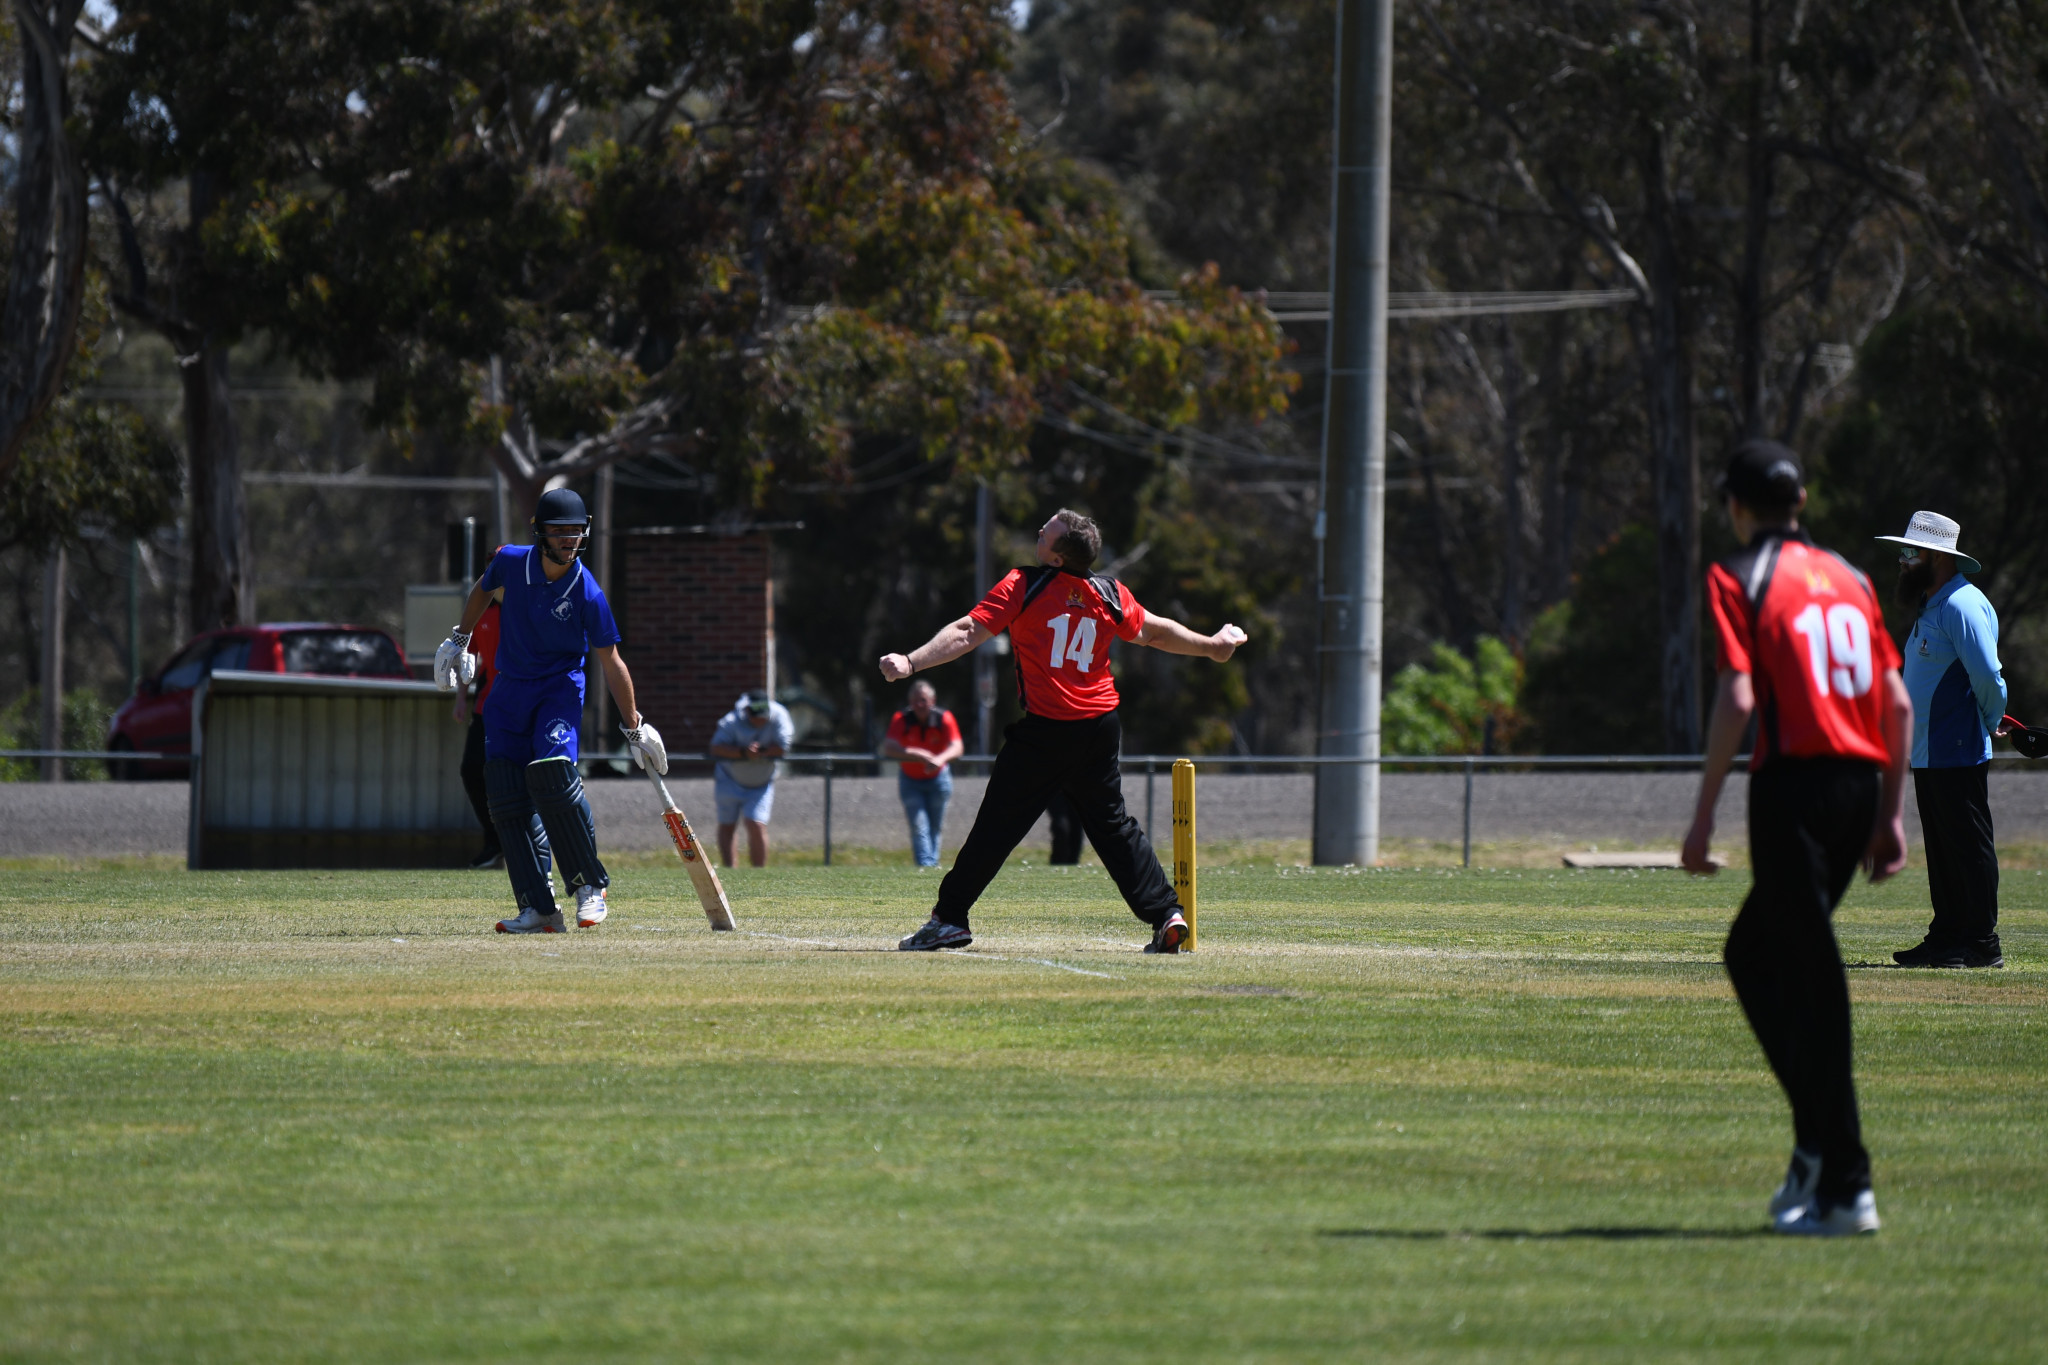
(491,856)
(933,935)
(1168,937)
(1950,955)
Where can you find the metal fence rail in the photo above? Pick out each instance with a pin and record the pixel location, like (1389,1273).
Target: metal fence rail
(827,763)
(837,763)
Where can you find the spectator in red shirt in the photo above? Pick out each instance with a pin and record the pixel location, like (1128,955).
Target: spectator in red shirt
(1061,620)
(927,739)
(1803,649)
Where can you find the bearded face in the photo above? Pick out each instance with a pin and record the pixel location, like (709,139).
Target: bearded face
(1916,580)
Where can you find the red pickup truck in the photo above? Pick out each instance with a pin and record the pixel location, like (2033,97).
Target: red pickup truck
(158,718)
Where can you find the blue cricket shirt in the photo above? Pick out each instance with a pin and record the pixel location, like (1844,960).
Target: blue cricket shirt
(1953,675)
(546,630)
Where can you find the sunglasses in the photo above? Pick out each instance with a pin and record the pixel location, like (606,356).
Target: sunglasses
(1909,556)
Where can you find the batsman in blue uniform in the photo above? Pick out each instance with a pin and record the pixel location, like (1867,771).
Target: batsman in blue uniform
(553,616)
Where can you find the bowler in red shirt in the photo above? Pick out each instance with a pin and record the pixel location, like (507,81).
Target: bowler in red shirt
(1061,620)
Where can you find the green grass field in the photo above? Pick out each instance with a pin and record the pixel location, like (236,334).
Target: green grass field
(1409,1115)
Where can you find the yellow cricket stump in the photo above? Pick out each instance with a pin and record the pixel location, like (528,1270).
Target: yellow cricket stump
(1184,843)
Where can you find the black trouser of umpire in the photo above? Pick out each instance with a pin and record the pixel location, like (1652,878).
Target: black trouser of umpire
(1039,758)
(1962,861)
(1810,822)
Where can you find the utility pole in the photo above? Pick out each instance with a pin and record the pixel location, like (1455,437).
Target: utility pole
(1352,512)
(984,659)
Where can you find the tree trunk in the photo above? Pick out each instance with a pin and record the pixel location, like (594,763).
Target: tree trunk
(46,273)
(1674,466)
(223,588)
(1749,294)
(1513,487)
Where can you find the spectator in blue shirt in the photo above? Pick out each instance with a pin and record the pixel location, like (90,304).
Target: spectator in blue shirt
(757,731)
(1958,691)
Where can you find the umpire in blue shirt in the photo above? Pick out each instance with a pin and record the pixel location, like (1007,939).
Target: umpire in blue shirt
(1958,691)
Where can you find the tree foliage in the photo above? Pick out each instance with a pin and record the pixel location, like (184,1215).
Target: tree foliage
(1948,414)
(1455,704)
(1592,686)
(747,236)
(45,283)
(1771,180)
(88,465)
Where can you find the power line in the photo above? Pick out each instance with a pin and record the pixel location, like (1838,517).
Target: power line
(1290,305)
(405,482)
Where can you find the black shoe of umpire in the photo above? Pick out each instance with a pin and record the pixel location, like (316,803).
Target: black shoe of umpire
(1951,955)
(490,857)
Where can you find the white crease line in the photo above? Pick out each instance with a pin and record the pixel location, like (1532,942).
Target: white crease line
(806,942)
(955,952)
(1034,961)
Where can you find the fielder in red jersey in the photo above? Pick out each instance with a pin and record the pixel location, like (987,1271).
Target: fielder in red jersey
(1061,620)
(1803,649)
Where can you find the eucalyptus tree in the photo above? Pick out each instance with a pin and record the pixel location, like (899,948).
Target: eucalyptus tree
(46,270)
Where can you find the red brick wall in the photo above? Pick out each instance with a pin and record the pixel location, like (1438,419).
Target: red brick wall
(696,623)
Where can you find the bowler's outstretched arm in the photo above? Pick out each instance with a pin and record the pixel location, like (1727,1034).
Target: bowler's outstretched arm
(949,644)
(1165,633)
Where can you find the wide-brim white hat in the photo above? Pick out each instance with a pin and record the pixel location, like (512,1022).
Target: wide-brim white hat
(1933,531)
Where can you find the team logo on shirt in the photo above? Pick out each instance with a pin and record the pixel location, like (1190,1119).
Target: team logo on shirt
(559,733)
(562,609)
(1075,599)
(1819,584)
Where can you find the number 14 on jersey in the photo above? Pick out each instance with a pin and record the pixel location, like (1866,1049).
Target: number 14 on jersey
(1081,649)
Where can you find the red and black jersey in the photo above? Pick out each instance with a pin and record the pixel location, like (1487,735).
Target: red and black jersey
(1060,627)
(1805,626)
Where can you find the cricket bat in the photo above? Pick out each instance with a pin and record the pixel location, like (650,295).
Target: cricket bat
(710,894)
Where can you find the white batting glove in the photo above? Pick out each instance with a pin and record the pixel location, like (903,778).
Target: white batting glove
(645,743)
(454,665)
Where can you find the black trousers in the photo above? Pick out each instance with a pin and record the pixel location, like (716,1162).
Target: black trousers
(473,777)
(1810,822)
(1962,862)
(1077,758)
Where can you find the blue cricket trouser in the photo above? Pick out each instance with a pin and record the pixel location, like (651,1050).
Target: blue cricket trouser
(530,752)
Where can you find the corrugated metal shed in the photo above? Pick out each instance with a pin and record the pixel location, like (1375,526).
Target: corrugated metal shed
(297,771)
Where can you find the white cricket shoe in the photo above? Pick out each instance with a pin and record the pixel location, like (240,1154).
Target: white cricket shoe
(1816,1219)
(590,907)
(1800,1179)
(532,921)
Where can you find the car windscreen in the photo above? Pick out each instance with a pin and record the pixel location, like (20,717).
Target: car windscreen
(188,668)
(363,652)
